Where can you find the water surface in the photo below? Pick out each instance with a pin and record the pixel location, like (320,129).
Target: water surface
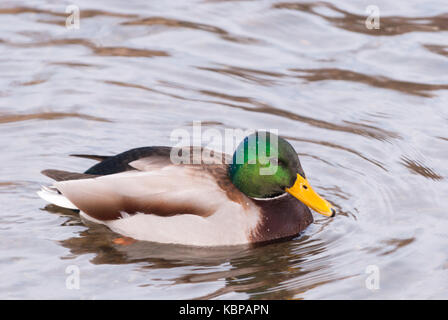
(366,111)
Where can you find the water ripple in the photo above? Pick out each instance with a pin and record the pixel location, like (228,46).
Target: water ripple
(390,25)
(364,109)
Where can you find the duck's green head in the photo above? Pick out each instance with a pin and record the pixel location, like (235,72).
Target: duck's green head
(265,166)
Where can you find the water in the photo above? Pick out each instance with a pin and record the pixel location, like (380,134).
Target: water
(365,110)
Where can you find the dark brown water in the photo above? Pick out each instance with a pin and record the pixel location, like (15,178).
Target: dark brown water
(365,109)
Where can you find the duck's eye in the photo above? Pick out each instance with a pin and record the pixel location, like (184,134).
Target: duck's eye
(304,186)
(281,163)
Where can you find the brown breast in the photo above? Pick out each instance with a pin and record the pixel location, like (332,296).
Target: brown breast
(281,217)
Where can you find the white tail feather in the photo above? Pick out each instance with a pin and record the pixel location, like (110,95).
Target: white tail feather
(54,197)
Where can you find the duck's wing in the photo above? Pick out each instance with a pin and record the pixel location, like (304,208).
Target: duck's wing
(172,190)
(145,180)
(91,156)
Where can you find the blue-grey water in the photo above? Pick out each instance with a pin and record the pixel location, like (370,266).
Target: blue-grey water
(366,110)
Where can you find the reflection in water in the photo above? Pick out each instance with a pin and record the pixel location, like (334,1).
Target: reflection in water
(85,13)
(419,89)
(98,50)
(172,23)
(364,109)
(442,50)
(390,26)
(336,146)
(264,108)
(419,168)
(390,246)
(47,116)
(262,272)
(256,106)
(260,77)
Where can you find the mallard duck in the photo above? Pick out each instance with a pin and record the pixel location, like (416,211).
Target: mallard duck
(260,194)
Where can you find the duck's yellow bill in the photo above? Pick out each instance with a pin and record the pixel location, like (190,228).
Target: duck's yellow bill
(303,191)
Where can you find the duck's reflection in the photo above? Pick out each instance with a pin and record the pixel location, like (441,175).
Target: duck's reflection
(280,270)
